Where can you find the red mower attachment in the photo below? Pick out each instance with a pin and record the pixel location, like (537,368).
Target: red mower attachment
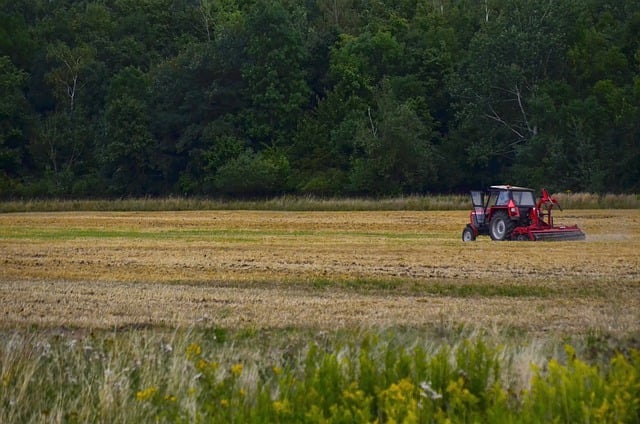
(511,213)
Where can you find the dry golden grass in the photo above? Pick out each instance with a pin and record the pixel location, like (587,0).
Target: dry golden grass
(248,269)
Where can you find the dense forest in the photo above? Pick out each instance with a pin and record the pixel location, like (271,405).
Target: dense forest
(112,98)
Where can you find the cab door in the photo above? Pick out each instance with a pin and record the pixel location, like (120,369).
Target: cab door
(477,198)
(478,214)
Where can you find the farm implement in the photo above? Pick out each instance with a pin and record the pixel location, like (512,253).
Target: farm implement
(511,213)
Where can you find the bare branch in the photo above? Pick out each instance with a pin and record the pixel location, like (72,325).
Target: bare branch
(205,11)
(532,131)
(495,117)
(374,131)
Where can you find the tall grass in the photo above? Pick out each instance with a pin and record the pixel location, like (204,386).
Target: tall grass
(302,203)
(282,203)
(598,201)
(384,376)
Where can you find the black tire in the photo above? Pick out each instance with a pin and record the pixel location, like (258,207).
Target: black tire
(501,227)
(468,234)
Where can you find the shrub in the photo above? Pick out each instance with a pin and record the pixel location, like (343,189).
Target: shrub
(143,376)
(252,174)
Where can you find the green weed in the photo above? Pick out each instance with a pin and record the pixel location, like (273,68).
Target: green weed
(372,376)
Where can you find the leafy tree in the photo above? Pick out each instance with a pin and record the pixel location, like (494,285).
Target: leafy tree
(587,122)
(67,77)
(275,71)
(130,97)
(393,150)
(605,69)
(254,174)
(198,89)
(128,151)
(63,143)
(340,15)
(14,125)
(63,150)
(15,39)
(322,147)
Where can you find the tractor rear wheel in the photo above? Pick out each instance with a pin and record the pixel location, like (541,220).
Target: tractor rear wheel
(501,227)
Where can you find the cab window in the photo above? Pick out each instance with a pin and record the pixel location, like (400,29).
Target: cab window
(523,198)
(503,198)
(493,198)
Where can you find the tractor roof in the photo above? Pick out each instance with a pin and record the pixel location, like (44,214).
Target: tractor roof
(509,187)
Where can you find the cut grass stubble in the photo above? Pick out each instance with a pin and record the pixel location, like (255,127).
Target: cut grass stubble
(222,316)
(312,269)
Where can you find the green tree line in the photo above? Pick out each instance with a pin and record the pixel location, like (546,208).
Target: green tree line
(106,98)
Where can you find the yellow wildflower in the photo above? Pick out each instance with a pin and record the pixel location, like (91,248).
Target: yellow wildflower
(281,407)
(201,365)
(193,351)
(146,394)
(236,370)
(224,403)
(602,412)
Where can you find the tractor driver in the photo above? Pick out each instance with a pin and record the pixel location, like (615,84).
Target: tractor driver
(503,198)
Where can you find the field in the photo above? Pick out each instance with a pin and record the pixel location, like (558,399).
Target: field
(130,309)
(246,269)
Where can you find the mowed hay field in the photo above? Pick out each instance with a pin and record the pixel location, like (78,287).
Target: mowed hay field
(317,270)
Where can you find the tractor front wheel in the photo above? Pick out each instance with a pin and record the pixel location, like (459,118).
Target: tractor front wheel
(501,227)
(468,234)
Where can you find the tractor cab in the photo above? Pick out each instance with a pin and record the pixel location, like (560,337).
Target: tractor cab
(517,201)
(512,202)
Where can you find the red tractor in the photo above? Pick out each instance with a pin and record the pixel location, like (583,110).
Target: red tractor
(511,213)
